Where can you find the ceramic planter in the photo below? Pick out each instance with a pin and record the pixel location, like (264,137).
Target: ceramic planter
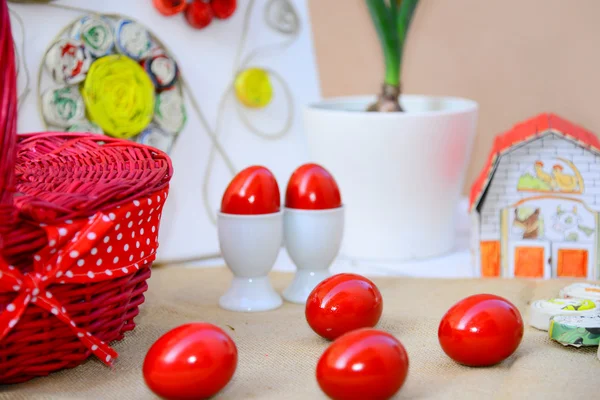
(401,174)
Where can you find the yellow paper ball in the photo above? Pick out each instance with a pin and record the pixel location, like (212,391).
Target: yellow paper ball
(119,96)
(253,88)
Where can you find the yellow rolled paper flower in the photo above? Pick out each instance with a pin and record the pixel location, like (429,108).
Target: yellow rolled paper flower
(119,96)
(253,88)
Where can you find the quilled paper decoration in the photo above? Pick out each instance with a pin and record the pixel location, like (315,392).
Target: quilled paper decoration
(223,9)
(119,96)
(281,17)
(114,78)
(198,13)
(132,39)
(95,33)
(63,106)
(85,126)
(170,112)
(68,61)
(155,137)
(169,7)
(162,70)
(253,88)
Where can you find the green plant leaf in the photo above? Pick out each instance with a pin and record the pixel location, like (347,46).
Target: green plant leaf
(405,16)
(384,19)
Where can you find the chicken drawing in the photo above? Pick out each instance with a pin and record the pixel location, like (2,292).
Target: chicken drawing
(566,182)
(543,175)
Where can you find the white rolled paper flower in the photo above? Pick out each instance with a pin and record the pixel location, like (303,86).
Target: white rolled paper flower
(63,107)
(169,111)
(541,311)
(581,291)
(157,138)
(576,330)
(95,33)
(68,61)
(132,39)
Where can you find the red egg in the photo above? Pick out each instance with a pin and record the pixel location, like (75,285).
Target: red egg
(311,187)
(198,14)
(343,303)
(363,364)
(192,361)
(253,191)
(481,330)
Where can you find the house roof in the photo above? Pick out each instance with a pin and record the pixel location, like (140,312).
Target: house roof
(524,132)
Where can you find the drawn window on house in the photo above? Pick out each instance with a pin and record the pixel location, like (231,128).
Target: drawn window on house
(529,261)
(572,263)
(573,260)
(490,258)
(554,219)
(552,236)
(557,175)
(527,223)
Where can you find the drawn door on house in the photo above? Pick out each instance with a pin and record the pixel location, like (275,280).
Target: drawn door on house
(551,238)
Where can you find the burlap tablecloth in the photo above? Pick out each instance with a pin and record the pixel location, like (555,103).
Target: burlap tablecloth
(278,351)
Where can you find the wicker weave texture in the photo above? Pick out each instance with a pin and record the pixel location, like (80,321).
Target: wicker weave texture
(48,179)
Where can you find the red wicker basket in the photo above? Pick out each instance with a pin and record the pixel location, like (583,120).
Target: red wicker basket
(79,217)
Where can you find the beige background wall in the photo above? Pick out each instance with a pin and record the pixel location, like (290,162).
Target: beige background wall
(517,58)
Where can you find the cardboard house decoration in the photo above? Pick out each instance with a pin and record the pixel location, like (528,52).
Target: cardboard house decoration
(535,206)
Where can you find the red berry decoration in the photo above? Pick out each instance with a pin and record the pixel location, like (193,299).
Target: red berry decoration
(311,187)
(198,14)
(363,364)
(343,303)
(169,7)
(223,9)
(481,330)
(192,361)
(253,191)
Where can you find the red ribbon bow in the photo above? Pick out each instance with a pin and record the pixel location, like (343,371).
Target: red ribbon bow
(50,265)
(103,247)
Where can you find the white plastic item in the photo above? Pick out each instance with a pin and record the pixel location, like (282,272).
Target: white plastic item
(400,173)
(250,244)
(541,311)
(312,239)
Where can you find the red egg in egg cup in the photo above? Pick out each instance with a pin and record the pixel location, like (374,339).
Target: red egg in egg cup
(313,228)
(250,229)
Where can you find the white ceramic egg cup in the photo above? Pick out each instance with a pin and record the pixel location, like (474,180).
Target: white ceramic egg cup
(312,239)
(250,245)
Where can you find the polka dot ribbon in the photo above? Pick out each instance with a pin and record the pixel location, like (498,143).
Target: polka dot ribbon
(104,246)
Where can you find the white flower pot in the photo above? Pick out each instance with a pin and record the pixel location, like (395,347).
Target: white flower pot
(400,174)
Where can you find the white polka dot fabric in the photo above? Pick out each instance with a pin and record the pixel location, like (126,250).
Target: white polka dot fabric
(104,246)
